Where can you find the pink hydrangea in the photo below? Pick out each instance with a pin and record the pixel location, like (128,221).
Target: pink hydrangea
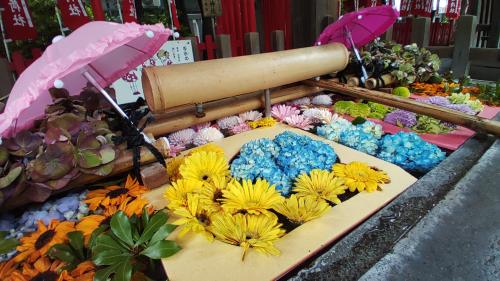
(183,137)
(282,111)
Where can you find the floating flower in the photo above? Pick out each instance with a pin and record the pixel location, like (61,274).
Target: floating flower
(201,126)
(250,198)
(302,209)
(43,269)
(459,98)
(359,176)
(359,140)
(282,111)
(39,242)
(7,268)
(204,166)
(207,135)
(175,149)
(114,195)
(320,185)
(410,151)
(318,115)
(264,122)
(240,128)
(228,123)
(194,218)
(322,100)
(299,121)
(401,118)
(301,101)
(462,108)
(211,195)
(378,111)
(178,191)
(173,166)
(372,128)
(255,232)
(88,224)
(252,115)
(210,147)
(182,138)
(333,130)
(436,100)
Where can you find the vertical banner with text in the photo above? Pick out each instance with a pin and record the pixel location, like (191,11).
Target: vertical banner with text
(129,13)
(73,13)
(17,19)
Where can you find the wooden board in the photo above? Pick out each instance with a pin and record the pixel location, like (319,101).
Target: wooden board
(202,260)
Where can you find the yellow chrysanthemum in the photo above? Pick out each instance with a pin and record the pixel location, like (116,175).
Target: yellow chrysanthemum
(211,195)
(210,147)
(248,231)
(38,243)
(177,192)
(250,198)
(360,176)
(114,195)
(173,166)
(302,209)
(194,218)
(320,184)
(204,166)
(264,122)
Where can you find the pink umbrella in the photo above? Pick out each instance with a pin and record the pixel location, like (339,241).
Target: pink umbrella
(359,28)
(97,52)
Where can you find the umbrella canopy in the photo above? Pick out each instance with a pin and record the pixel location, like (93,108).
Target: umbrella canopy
(104,50)
(364,25)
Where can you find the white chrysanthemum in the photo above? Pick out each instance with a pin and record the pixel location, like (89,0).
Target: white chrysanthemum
(201,126)
(207,135)
(322,100)
(301,101)
(299,121)
(282,111)
(318,115)
(228,122)
(183,137)
(252,115)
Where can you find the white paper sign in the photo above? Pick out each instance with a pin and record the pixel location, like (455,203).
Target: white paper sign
(129,87)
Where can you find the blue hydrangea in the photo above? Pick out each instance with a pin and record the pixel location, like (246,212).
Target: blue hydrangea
(281,162)
(333,130)
(356,138)
(410,151)
(372,128)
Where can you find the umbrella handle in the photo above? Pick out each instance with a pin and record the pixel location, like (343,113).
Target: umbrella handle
(364,75)
(94,83)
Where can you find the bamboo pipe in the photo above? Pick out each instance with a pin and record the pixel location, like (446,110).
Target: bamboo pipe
(204,81)
(473,122)
(353,81)
(384,80)
(226,107)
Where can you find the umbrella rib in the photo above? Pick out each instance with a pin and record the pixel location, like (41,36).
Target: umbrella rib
(137,49)
(95,70)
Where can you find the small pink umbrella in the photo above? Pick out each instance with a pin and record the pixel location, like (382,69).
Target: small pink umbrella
(97,52)
(359,28)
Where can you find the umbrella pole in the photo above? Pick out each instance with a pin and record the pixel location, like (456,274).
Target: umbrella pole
(364,76)
(92,81)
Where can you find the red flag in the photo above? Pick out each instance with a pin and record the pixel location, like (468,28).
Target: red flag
(129,13)
(18,21)
(422,8)
(73,13)
(406,8)
(373,3)
(175,19)
(453,9)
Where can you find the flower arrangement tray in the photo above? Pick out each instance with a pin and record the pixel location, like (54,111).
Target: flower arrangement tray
(202,260)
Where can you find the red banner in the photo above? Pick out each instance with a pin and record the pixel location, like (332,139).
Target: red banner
(129,13)
(373,3)
(406,8)
(18,21)
(73,13)
(453,9)
(422,8)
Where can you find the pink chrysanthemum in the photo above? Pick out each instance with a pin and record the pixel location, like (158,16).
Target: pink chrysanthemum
(299,121)
(318,115)
(175,149)
(183,137)
(240,128)
(207,135)
(201,126)
(322,100)
(252,115)
(282,111)
(227,123)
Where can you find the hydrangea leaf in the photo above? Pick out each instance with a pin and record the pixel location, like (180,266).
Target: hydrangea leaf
(88,159)
(107,154)
(55,162)
(24,144)
(4,155)
(10,177)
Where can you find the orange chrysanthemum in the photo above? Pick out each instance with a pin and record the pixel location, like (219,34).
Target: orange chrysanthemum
(42,269)
(84,271)
(6,269)
(114,195)
(39,242)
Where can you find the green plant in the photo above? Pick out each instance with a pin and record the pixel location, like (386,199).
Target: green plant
(75,251)
(7,245)
(131,245)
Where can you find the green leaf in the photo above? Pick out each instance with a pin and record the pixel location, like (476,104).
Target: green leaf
(3,234)
(145,217)
(120,226)
(62,252)
(7,245)
(95,234)
(157,220)
(75,239)
(161,249)
(162,233)
(109,257)
(103,274)
(106,242)
(123,272)
(88,159)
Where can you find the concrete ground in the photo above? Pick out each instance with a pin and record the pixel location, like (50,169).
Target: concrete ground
(444,227)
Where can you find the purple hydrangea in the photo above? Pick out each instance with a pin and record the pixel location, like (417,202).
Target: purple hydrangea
(462,108)
(401,118)
(441,101)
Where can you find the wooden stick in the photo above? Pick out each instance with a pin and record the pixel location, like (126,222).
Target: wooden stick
(475,123)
